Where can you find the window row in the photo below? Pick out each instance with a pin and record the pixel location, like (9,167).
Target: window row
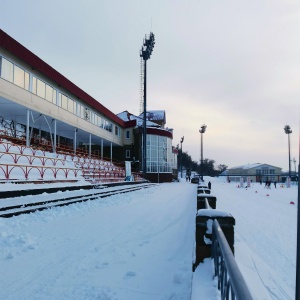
(265,171)
(13,73)
(159,154)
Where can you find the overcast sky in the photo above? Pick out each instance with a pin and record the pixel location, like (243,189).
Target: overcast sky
(232,65)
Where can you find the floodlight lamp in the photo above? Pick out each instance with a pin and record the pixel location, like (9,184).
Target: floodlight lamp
(203,128)
(287,129)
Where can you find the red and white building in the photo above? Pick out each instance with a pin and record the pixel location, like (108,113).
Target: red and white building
(49,107)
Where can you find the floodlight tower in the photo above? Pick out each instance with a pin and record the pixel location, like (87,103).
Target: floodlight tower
(145,54)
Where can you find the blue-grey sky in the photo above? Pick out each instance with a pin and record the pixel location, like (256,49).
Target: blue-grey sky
(233,65)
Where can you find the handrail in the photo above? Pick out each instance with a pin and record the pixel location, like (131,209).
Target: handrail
(230,279)
(207,206)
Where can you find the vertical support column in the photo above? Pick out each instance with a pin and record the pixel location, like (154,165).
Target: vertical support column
(75,140)
(15,127)
(27,128)
(90,145)
(101,148)
(158,159)
(110,151)
(30,82)
(54,138)
(57,98)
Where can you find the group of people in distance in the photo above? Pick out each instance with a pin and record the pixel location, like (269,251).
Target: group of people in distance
(268,184)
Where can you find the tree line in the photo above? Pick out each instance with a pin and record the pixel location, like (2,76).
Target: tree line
(207,168)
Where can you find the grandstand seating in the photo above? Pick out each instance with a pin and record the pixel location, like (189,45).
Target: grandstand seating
(19,162)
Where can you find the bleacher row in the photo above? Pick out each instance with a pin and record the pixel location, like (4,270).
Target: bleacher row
(19,162)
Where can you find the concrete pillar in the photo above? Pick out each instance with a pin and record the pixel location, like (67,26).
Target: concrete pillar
(54,138)
(212,201)
(27,128)
(90,146)
(203,191)
(204,221)
(75,140)
(110,151)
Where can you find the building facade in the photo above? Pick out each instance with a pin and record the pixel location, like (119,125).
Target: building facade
(256,172)
(51,108)
(161,157)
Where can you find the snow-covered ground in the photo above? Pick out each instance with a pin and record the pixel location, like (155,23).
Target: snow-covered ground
(140,246)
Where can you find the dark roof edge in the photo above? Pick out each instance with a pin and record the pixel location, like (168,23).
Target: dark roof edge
(160,132)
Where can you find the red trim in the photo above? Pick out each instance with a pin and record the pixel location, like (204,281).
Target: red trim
(160,132)
(131,123)
(36,63)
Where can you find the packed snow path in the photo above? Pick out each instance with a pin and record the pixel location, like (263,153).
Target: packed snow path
(139,246)
(132,246)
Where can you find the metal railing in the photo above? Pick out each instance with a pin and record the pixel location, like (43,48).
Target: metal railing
(230,280)
(207,206)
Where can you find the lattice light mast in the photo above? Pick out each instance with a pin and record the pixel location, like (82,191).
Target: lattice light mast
(145,54)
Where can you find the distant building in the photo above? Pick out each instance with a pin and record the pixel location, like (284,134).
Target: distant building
(256,172)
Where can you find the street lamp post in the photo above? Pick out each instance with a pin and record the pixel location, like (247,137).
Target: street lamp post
(181,141)
(298,238)
(287,130)
(202,130)
(145,54)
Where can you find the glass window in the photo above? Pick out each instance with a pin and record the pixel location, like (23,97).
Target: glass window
(64,101)
(19,77)
(127,153)
(54,99)
(98,120)
(49,93)
(265,171)
(117,131)
(80,111)
(7,70)
(92,117)
(71,105)
(41,88)
(127,134)
(34,85)
(159,154)
(86,114)
(26,81)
